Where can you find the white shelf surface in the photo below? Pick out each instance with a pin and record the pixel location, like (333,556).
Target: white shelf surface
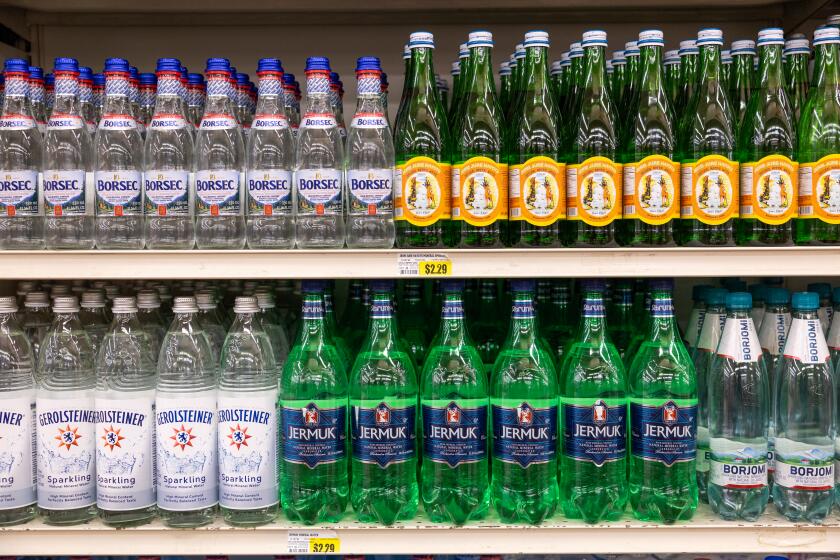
(705,534)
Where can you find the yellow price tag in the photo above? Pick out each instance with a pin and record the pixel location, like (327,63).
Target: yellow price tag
(325,546)
(435,268)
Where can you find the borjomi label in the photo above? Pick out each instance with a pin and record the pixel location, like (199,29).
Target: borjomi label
(17,449)
(66,446)
(737,465)
(217,192)
(118,193)
(594,429)
(167,193)
(663,430)
(806,343)
(314,431)
(319,191)
(269,192)
(803,466)
(738,342)
(186,451)
(524,432)
(64,192)
(371,191)
(125,452)
(18,193)
(773,333)
(248,449)
(383,430)
(454,431)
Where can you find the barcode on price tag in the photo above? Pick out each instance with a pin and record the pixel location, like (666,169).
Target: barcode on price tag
(424,264)
(320,542)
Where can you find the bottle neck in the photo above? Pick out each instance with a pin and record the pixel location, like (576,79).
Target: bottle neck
(66,94)
(710,65)
(523,320)
(247,323)
(662,323)
(593,320)
(453,325)
(318,93)
(423,74)
(595,70)
(117,89)
(743,64)
(828,66)
(125,322)
(168,100)
(218,95)
(369,93)
(270,96)
(312,316)
(481,82)
(651,60)
(771,68)
(16,98)
(805,314)
(381,314)
(536,80)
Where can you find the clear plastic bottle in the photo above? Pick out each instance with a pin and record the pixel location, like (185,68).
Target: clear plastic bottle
(370,164)
(833,337)
(185,409)
(274,327)
(220,158)
(125,420)
(17,418)
(319,162)
(148,313)
(94,317)
(269,161)
(68,181)
(66,428)
(211,323)
(37,95)
(21,210)
(36,319)
(168,158)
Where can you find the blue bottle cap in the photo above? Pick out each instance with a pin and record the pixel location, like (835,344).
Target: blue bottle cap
(49,79)
(64,64)
(134,72)
(313,286)
(384,79)
(334,77)
(370,63)
(36,73)
(148,79)
(805,301)
(217,65)
(776,558)
(241,78)
(593,285)
(522,285)
(116,65)
(195,79)
(452,285)
(381,285)
(269,65)
(317,63)
(168,65)
(716,296)
(698,292)
(823,289)
(663,284)
(777,296)
(99,79)
(85,73)
(739,300)
(289,79)
(16,65)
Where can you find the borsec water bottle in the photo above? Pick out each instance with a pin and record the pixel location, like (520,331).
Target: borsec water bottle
(88,111)
(37,93)
(290,103)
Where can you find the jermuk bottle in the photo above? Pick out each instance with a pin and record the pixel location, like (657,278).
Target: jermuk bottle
(537,172)
(383,417)
(314,486)
(269,164)
(479,171)
(741,84)
(651,176)
(370,164)
(593,401)
(806,424)
(593,179)
(621,320)
(422,182)
(168,158)
(819,148)
(739,414)
(487,329)
(118,165)
(709,172)
(219,163)
(185,411)
(766,148)
(21,210)
(319,166)
(247,437)
(68,180)
(414,328)
(66,428)
(523,401)
(125,420)
(663,419)
(454,401)
(17,418)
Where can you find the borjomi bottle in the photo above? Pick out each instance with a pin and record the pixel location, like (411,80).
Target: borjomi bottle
(17,414)
(274,327)
(67,161)
(412,322)
(766,150)
(454,401)
(651,176)
(314,486)
(593,180)
(247,437)
(148,314)
(487,329)
(148,86)
(690,67)
(185,409)
(819,148)
(523,400)
(290,103)
(805,417)
(118,165)
(37,96)
(740,81)
(21,211)
(319,164)
(66,428)
(797,55)
(695,317)
(758,293)
(88,111)
(626,106)
(671,75)
(479,171)
(537,172)
(663,419)
(219,164)
(558,327)
(825,310)
(593,403)
(709,172)
(125,420)
(738,416)
(833,336)
(37,319)
(370,164)
(94,317)
(621,319)
(270,161)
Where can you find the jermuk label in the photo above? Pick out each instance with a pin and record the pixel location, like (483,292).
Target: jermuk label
(538,191)
(186,451)
(125,453)
(167,193)
(64,192)
(524,432)
(314,432)
(819,189)
(269,192)
(19,193)
(663,430)
(709,190)
(371,191)
(118,193)
(594,430)
(738,342)
(770,189)
(594,191)
(17,449)
(423,191)
(455,432)
(651,190)
(319,191)
(803,466)
(480,191)
(217,193)
(736,465)
(383,431)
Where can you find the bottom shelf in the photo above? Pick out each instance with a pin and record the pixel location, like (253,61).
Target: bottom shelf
(704,534)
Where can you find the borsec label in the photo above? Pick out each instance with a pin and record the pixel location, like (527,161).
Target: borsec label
(117,193)
(17,122)
(167,193)
(18,193)
(479,191)
(319,191)
(214,121)
(269,122)
(167,122)
(710,190)
(594,191)
(368,120)
(538,191)
(64,192)
(269,191)
(769,189)
(423,191)
(371,191)
(65,122)
(651,190)
(819,189)
(117,122)
(318,120)
(217,193)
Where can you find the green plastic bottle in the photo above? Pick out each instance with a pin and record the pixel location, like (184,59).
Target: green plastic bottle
(413,322)
(689,75)
(797,58)
(671,62)
(354,316)
(621,322)
(332,328)
(740,82)
(488,329)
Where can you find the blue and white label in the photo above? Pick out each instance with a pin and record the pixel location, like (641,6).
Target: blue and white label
(319,191)
(804,466)
(739,342)
(161,122)
(167,193)
(806,342)
(118,193)
(662,307)
(383,434)
(17,122)
(664,432)
(452,309)
(217,122)
(524,433)
(738,465)
(318,120)
(186,451)
(65,122)
(217,193)
(117,122)
(314,435)
(371,191)
(64,192)
(595,431)
(17,449)
(523,308)
(19,193)
(269,192)
(368,120)
(270,122)
(594,307)
(455,432)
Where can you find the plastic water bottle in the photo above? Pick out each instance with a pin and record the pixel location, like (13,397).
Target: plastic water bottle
(86,99)
(125,420)
(833,337)
(248,440)
(148,314)
(370,164)
(21,213)
(739,415)
(823,290)
(185,412)
(17,418)
(319,162)
(270,161)
(94,317)
(219,156)
(117,165)
(168,157)
(696,316)
(210,320)
(68,181)
(66,426)
(37,319)
(274,327)
(37,97)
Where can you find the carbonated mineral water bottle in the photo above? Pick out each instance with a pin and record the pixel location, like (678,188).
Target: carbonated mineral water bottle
(825,310)
(211,322)
(273,325)
(37,319)
(36,97)
(93,317)
(66,427)
(772,336)
(148,313)
(86,99)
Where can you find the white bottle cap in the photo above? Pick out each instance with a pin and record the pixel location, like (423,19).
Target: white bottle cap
(575,50)
(826,35)
(743,46)
(594,38)
(421,39)
(564,56)
(710,36)
(59,290)
(66,304)
(536,39)
(36,299)
(688,46)
(631,48)
(265,300)
(456,68)
(124,305)
(245,304)
(725,57)
(834,20)
(651,37)
(406,51)
(519,50)
(93,298)
(463,51)
(184,305)
(8,304)
(771,36)
(672,57)
(480,39)
(797,46)
(618,56)
(556,66)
